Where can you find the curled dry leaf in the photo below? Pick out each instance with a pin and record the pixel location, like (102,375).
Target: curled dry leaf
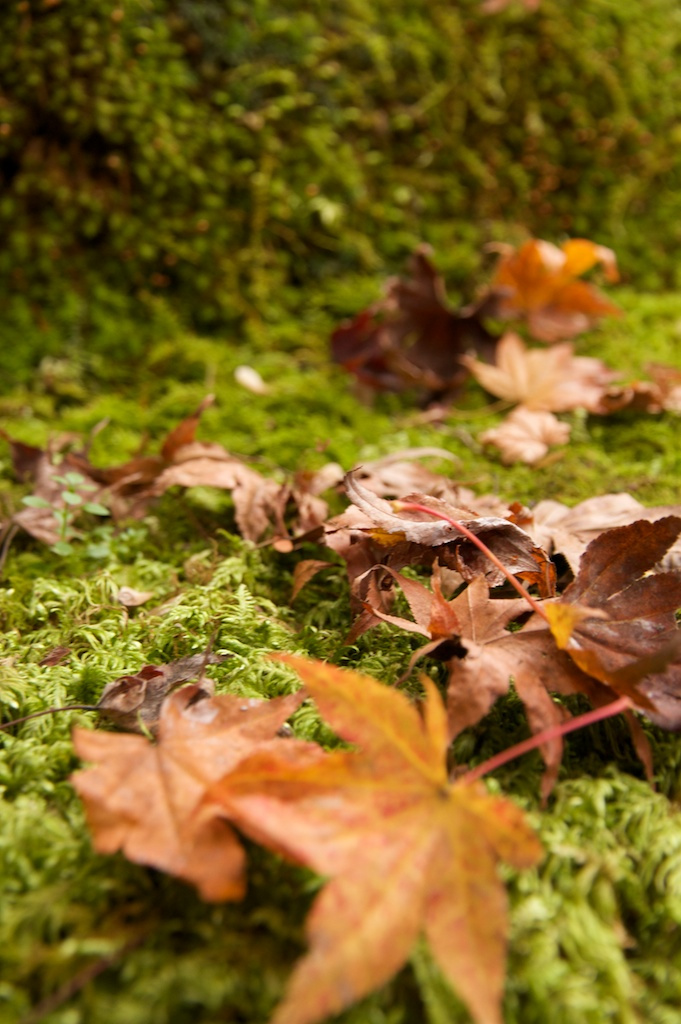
(568,531)
(526,435)
(250,379)
(131,598)
(143,798)
(134,701)
(404,850)
(553,380)
(539,282)
(393,523)
(632,646)
(410,338)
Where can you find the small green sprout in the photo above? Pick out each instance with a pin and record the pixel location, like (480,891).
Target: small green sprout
(74,498)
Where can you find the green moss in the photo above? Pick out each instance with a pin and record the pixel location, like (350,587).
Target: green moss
(593,929)
(223,155)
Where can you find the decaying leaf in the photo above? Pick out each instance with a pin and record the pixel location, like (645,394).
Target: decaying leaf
(526,435)
(134,701)
(560,529)
(553,380)
(410,338)
(391,524)
(142,797)
(636,617)
(539,282)
(403,848)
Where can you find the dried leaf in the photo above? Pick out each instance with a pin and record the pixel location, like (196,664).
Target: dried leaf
(539,283)
(569,531)
(142,797)
(640,607)
(404,849)
(411,338)
(526,435)
(392,523)
(553,379)
(131,598)
(132,701)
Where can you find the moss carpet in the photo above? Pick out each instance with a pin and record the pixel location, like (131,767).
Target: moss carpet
(86,939)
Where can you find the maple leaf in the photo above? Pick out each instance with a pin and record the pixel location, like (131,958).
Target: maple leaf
(470,631)
(411,337)
(539,282)
(142,797)
(569,531)
(526,435)
(553,379)
(393,523)
(618,618)
(404,849)
(183,461)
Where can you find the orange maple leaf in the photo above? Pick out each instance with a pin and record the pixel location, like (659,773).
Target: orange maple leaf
(538,281)
(405,850)
(142,797)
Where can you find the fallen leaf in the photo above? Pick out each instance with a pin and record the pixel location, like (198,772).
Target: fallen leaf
(55,657)
(135,700)
(259,502)
(131,598)
(250,379)
(637,617)
(668,380)
(410,338)
(394,523)
(46,468)
(526,435)
(552,380)
(538,282)
(142,797)
(403,848)
(560,529)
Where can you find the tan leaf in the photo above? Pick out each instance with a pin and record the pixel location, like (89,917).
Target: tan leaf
(551,379)
(526,435)
(142,797)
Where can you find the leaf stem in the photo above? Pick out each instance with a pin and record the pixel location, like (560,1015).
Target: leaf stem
(48,711)
(414,506)
(552,733)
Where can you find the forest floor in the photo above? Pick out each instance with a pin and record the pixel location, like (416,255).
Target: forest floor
(89,939)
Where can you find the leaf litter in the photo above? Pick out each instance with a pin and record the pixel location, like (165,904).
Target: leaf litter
(387,808)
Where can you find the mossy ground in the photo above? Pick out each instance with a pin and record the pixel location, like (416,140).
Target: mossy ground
(595,930)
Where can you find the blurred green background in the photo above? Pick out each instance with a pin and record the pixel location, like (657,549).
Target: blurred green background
(238,161)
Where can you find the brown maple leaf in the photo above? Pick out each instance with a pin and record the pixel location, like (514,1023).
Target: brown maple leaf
(142,797)
(471,632)
(391,524)
(525,435)
(553,380)
(259,502)
(539,282)
(569,531)
(134,701)
(410,338)
(403,848)
(617,620)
